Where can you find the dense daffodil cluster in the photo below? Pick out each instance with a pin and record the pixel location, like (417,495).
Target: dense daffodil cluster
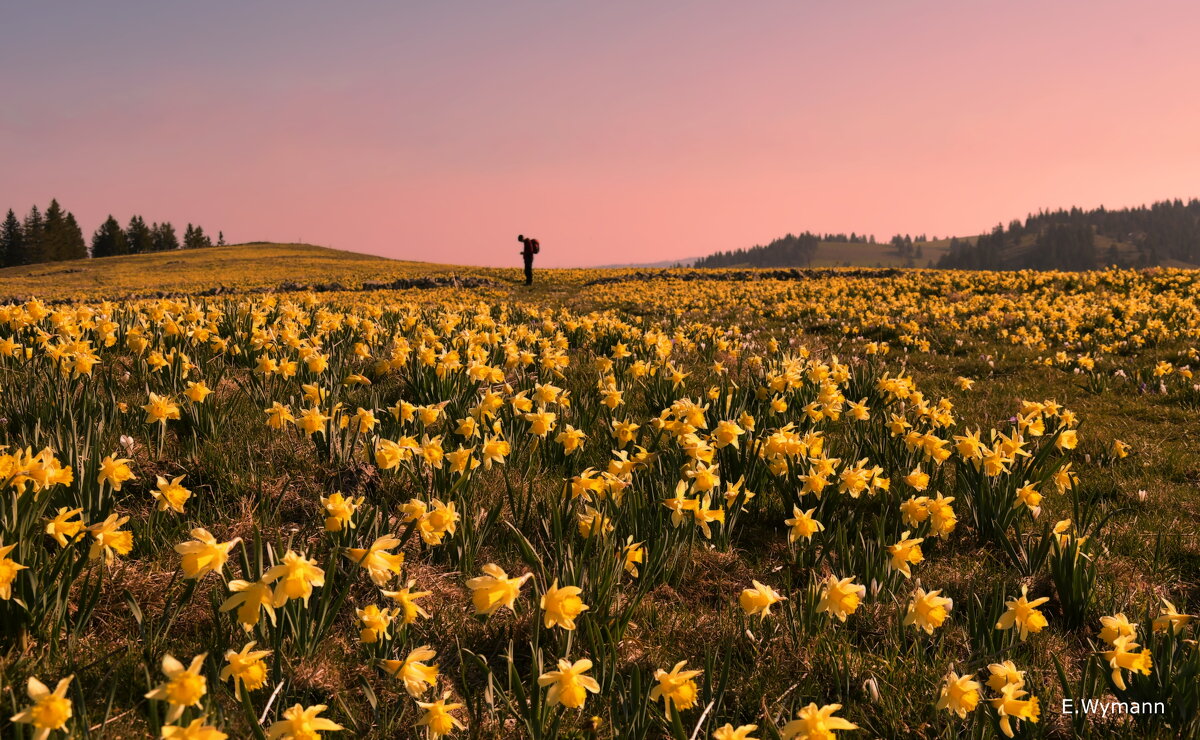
(549,480)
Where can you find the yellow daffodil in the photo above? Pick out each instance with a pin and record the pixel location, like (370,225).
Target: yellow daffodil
(279,416)
(729,732)
(437,719)
(816,723)
(959,695)
(1171,618)
(928,610)
(376,624)
(407,599)
(109,540)
(840,598)
(1123,655)
(439,521)
(904,553)
(302,723)
(8,570)
(1011,705)
(160,409)
(568,685)
(184,687)
(1023,615)
(561,606)
(1116,626)
(495,590)
(64,527)
(250,598)
(758,600)
(171,494)
(197,729)
(413,671)
(339,511)
(51,710)
(114,471)
(294,578)
(197,392)
(203,554)
(377,560)
(676,687)
(246,667)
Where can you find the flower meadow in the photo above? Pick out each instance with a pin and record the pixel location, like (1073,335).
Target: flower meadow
(906,505)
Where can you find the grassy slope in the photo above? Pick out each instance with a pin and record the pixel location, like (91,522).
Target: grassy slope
(239,266)
(859,254)
(243,267)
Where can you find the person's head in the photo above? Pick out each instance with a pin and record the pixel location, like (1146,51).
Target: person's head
(520,237)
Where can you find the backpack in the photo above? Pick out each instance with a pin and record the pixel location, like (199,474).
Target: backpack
(533,243)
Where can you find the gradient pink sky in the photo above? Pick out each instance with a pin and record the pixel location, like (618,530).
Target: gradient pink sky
(612,131)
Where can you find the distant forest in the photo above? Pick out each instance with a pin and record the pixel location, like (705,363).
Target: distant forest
(1085,240)
(1072,239)
(53,235)
(786,251)
(798,250)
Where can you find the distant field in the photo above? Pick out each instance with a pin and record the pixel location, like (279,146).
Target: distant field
(242,268)
(237,267)
(860,254)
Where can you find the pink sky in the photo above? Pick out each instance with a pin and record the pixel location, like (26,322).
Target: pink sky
(613,132)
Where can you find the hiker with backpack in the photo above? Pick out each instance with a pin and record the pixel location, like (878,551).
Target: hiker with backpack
(530,248)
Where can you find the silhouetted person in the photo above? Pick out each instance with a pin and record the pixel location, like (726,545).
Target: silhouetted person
(530,248)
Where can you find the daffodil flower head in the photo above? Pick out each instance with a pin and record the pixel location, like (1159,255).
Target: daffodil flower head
(495,590)
(568,685)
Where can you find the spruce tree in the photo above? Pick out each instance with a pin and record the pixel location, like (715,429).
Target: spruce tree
(220,238)
(54,233)
(164,237)
(195,238)
(33,232)
(109,239)
(11,240)
(74,247)
(138,236)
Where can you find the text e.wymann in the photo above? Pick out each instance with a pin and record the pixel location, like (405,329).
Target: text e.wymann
(1105,708)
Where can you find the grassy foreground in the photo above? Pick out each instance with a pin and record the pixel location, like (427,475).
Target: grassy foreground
(510,512)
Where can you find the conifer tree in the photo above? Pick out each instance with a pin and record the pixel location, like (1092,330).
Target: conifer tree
(32,232)
(53,241)
(109,239)
(54,233)
(11,240)
(138,236)
(195,238)
(74,247)
(164,237)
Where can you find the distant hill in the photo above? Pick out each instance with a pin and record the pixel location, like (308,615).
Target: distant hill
(832,250)
(685,262)
(1165,233)
(238,267)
